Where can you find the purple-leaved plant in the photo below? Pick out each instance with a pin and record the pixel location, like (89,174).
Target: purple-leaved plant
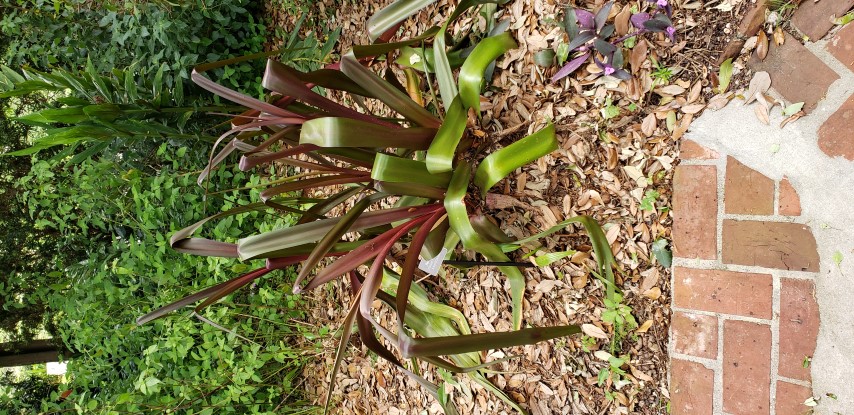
(588,36)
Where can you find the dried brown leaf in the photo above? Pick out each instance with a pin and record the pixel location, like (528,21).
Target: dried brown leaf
(693,109)
(593,331)
(644,327)
(695,92)
(638,55)
(653,293)
(792,118)
(762,114)
(761,45)
(758,85)
(649,124)
(779,36)
(621,22)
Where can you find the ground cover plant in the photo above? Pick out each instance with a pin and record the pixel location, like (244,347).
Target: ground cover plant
(415,167)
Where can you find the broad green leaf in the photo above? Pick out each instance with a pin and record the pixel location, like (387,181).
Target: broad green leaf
(793,109)
(274,243)
(387,18)
(400,170)
(376,49)
(440,155)
(459,220)
(69,115)
(471,73)
(387,93)
(499,164)
(347,132)
(662,254)
(334,235)
(551,257)
(725,76)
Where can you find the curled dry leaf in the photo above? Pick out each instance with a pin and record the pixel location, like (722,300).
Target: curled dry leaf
(762,114)
(792,117)
(761,45)
(594,331)
(749,44)
(758,85)
(679,131)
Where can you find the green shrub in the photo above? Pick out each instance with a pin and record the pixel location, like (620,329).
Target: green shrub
(119,215)
(46,34)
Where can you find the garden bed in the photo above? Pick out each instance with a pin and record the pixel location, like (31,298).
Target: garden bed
(618,145)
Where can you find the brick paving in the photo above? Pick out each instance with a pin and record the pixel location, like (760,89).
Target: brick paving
(745,318)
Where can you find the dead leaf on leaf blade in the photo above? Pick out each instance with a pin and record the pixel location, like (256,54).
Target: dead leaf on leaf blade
(593,331)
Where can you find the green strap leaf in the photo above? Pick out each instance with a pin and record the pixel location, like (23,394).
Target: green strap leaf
(400,170)
(502,162)
(387,93)
(347,132)
(440,155)
(471,74)
(459,220)
(274,243)
(376,49)
(385,19)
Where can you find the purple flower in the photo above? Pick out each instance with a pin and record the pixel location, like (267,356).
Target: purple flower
(671,33)
(663,4)
(609,70)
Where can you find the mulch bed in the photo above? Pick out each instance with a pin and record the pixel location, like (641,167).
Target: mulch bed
(604,168)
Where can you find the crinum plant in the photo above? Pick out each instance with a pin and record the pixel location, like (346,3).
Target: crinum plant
(399,180)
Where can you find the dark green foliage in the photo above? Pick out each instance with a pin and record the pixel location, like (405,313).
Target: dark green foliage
(24,250)
(119,216)
(30,389)
(64,33)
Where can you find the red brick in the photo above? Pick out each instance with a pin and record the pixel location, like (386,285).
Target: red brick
(695,211)
(747,191)
(790,399)
(695,335)
(689,149)
(692,388)
(842,46)
(747,368)
(836,136)
(814,18)
(799,321)
(737,293)
(790,202)
(780,245)
(796,73)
